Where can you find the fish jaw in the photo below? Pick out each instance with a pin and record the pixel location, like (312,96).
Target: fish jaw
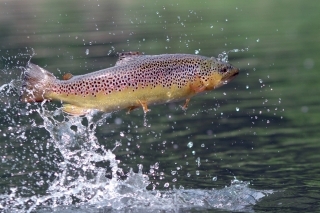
(231,73)
(227,72)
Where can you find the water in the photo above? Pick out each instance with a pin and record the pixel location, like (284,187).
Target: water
(255,141)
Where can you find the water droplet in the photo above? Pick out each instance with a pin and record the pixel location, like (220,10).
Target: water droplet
(214,179)
(190,144)
(198,161)
(188,174)
(173,172)
(258,40)
(118,121)
(166,185)
(156,165)
(202,145)
(87,51)
(247,86)
(193,152)
(197,172)
(197,52)
(174,179)
(237,109)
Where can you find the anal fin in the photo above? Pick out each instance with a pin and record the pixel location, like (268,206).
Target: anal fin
(75,110)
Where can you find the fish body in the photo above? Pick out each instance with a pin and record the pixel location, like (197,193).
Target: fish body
(135,81)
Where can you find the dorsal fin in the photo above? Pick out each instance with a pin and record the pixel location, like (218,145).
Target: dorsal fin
(67,76)
(125,57)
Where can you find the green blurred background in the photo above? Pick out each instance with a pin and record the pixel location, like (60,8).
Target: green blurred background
(262,127)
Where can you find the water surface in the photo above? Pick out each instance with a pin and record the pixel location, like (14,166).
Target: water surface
(255,141)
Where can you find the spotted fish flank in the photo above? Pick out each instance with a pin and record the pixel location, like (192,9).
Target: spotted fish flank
(135,81)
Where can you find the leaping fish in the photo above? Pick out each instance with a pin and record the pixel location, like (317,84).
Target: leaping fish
(135,81)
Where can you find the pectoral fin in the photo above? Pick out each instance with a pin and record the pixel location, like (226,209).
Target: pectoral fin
(198,85)
(74,110)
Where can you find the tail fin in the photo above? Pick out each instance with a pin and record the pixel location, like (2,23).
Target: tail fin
(35,83)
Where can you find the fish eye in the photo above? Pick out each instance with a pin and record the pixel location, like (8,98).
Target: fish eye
(224,69)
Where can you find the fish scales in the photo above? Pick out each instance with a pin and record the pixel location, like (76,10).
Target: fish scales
(135,81)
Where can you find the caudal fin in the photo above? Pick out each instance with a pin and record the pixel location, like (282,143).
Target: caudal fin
(36,83)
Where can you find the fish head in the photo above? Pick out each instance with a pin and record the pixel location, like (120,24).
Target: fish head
(225,71)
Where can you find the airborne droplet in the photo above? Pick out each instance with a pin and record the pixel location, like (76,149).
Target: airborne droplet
(190,144)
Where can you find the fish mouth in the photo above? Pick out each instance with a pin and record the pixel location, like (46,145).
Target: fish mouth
(230,75)
(234,73)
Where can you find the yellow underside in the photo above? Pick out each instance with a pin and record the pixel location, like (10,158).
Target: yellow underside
(130,99)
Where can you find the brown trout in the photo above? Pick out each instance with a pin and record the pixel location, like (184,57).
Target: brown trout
(135,81)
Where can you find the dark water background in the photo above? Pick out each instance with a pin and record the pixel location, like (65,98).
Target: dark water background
(263,127)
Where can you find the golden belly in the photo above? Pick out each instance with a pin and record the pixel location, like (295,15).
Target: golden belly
(127,98)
